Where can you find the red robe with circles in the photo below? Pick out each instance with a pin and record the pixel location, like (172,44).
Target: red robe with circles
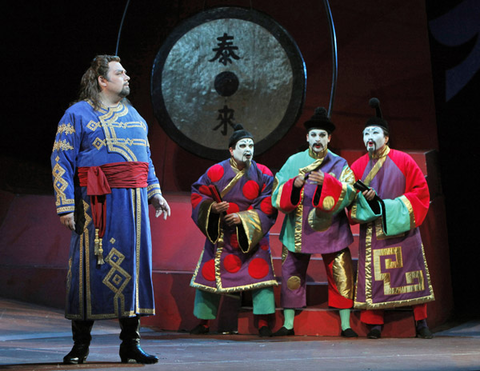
(234,258)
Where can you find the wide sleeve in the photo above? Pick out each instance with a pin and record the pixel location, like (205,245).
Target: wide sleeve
(409,210)
(360,210)
(285,196)
(402,213)
(201,200)
(335,194)
(63,161)
(261,216)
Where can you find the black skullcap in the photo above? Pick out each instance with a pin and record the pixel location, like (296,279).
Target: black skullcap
(377,120)
(320,120)
(238,133)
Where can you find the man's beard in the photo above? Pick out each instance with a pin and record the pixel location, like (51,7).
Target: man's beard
(124,92)
(371,148)
(317,147)
(248,163)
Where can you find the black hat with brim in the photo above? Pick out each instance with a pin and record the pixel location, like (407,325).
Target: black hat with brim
(238,133)
(320,120)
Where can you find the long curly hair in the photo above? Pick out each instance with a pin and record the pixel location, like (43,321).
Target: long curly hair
(89,87)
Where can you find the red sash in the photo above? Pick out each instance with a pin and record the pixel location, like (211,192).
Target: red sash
(100,179)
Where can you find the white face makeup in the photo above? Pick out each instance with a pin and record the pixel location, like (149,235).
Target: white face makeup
(243,151)
(374,138)
(318,140)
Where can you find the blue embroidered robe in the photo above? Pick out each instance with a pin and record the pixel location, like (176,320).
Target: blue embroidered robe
(122,286)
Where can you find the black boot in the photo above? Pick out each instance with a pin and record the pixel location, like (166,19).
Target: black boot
(130,350)
(81,341)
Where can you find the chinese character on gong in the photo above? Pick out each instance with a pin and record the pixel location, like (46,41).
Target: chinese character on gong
(225,50)
(226,118)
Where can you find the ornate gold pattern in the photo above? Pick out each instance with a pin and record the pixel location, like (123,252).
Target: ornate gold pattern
(379,229)
(65,209)
(319,221)
(279,193)
(69,277)
(203,220)
(61,145)
(317,155)
(375,169)
(253,228)
(328,203)
(347,176)
(284,253)
(65,129)
(137,206)
(109,122)
(410,277)
(414,279)
(299,224)
(343,273)
(409,207)
(293,283)
(98,143)
(92,125)
(153,189)
(236,178)
(311,167)
(117,279)
(60,186)
(368,262)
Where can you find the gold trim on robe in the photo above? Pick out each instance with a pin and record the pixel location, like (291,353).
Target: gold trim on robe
(252,228)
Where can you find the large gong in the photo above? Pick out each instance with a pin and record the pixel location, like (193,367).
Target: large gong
(225,66)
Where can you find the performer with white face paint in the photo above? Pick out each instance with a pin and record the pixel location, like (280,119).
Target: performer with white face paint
(243,152)
(374,138)
(312,189)
(392,270)
(236,220)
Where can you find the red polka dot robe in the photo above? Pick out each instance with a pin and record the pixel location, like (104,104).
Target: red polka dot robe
(235,258)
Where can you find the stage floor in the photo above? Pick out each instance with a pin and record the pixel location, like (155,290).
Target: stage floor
(36,338)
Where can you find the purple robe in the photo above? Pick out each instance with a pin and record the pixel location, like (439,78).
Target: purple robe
(235,258)
(316,223)
(392,269)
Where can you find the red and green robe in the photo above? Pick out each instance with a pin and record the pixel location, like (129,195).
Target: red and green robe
(392,269)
